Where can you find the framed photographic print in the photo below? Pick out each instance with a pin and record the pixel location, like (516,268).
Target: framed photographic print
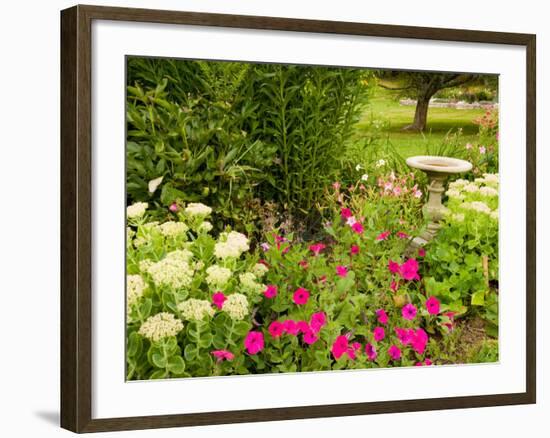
(268,218)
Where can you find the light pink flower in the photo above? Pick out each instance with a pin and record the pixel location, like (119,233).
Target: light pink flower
(223,355)
(382,316)
(394,352)
(301,296)
(379,333)
(357,227)
(433,305)
(383,236)
(341,271)
(402,235)
(173,207)
(468,146)
(336,185)
(397,191)
(276,329)
(318,321)
(351,221)
(354,249)
(370,350)
(218,299)
(317,248)
(265,246)
(482,150)
(270,291)
(408,311)
(254,342)
(418,194)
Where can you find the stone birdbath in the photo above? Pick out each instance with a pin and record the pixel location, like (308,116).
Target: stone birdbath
(438,170)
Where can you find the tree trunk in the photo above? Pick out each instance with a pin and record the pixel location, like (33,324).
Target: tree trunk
(420,113)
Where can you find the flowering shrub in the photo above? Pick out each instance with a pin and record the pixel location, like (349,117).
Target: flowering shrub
(484,154)
(463,259)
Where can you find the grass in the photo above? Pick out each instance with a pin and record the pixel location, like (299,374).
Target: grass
(384,106)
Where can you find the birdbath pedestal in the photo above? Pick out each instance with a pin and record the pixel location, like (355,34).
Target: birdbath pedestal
(438,170)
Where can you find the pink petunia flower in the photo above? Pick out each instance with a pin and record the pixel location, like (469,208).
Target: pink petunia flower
(382,316)
(379,333)
(428,362)
(370,350)
(173,207)
(318,321)
(394,352)
(290,327)
(409,270)
(404,335)
(393,266)
(336,185)
(354,249)
(270,291)
(345,213)
(341,271)
(218,299)
(421,252)
(303,326)
(301,296)
(351,221)
(303,263)
(254,342)
(383,236)
(357,227)
(482,150)
(408,311)
(317,248)
(433,305)
(322,279)
(419,340)
(276,329)
(339,347)
(397,191)
(402,235)
(310,337)
(223,355)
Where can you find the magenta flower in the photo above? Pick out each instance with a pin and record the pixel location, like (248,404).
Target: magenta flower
(427,362)
(393,266)
(433,305)
(304,264)
(318,321)
(346,213)
(301,296)
(383,236)
(173,207)
(223,355)
(409,270)
(218,299)
(254,342)
(404,335)
(379,333)
(354,250)
(303,326)
(339,347)
(310,337)
(270,291)
(357,227)
(402,235)
(341,271)
(317,248)
(276,329)
(382,316)
(394,352)
(290,327)
(419,340)
(409,311)
(370,350)
(421,252)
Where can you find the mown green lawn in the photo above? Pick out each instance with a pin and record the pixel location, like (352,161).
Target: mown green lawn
(384,106)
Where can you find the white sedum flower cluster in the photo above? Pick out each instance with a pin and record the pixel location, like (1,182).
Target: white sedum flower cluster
(160,326)
(134,289)
(259,270)
(173,229)
(217,276)
(136,210)
(480,196)
(231,244)
(197,209)
(194,309)
(249,283)
(205,227)
(477,206)
(236,306)
(173,270)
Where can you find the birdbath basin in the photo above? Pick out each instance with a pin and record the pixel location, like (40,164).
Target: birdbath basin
(438,169)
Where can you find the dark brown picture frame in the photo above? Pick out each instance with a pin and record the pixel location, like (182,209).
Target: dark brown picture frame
(76,218)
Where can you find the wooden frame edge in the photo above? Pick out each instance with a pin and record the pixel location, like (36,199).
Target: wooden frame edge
(76,226)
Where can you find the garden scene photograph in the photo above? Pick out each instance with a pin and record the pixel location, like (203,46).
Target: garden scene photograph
(297,218)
